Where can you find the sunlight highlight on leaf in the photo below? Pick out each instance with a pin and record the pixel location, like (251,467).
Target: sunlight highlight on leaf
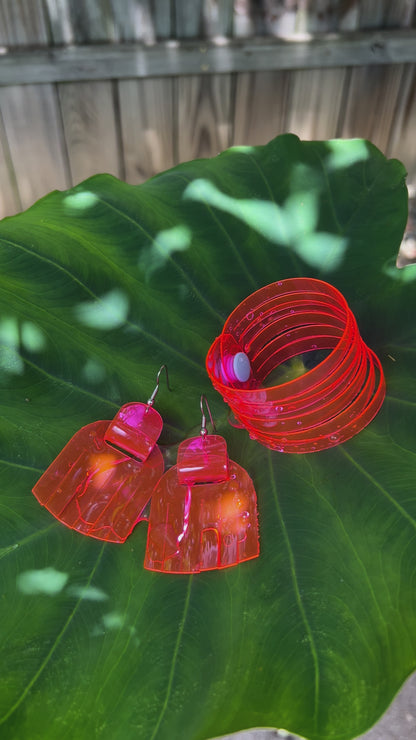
(345,153)
(113,620)
(302,210)
(291,225)
(10,360)
(47,581)
(403,275)
(33,338)
(265,217)
(323,251)
(80,201)
(242,149)
(94,371)
(108,312)
(165,244)
(89,593)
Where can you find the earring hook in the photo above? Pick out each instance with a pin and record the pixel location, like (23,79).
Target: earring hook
(154,394)
(204,419)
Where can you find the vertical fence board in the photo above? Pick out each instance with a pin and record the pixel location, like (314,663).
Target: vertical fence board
(92,20)
(260,106)
(385,13)
(400,13)
(162,18)
(188,18)
(33,159)
(90,128)
(218,17)
(286,18)
(402,144)
(133,21)
(325,15)
(204,115)
(22,22)
(9,199)
(315,102)
(372,13)
(316,96)
(32,124)
(243,21)
(371,103)
(146,109)
(348,15)
(60,21)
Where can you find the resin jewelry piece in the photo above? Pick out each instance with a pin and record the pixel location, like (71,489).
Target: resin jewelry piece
(320,409)
(103,478)
(203,513)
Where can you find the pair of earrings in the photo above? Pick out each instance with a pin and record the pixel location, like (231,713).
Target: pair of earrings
(203,512)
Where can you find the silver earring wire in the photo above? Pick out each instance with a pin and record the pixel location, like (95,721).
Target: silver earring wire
(154,394)
(204,419)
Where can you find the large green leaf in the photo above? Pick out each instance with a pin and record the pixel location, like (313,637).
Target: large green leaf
(102,284)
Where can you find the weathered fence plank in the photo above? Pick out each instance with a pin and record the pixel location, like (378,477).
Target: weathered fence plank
(400,13)
(9,197)
(60,21)
(315,103)
(285,17)
(22,22)
(147,126)
(204,115)
(260,106)
(92,20)
(243,22)
(402,143)
(371,103)
(32,124)
(90,128)
(385,13)
(188,18)
(218,18)
(162,18)
(116,61)
(133,21)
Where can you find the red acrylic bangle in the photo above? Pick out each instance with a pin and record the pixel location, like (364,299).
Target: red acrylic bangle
(320,409)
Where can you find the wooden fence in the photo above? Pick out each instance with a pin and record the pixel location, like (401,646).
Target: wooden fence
(132,87)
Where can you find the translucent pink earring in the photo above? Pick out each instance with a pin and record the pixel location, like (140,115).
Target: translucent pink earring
(101,481)
(203,512)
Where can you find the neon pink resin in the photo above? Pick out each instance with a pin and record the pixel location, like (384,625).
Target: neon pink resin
(99,490)
(203,512)
(135,429)
(325,406)
(202,460)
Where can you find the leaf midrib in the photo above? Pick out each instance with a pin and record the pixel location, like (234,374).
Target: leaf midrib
(298,597)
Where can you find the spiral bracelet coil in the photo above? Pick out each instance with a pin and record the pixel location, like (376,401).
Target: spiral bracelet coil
(322,408)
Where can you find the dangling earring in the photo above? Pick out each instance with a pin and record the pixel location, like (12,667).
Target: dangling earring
(101,481)
(203,512)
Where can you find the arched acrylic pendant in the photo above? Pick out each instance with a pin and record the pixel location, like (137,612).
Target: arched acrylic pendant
(203,512)
(101,481)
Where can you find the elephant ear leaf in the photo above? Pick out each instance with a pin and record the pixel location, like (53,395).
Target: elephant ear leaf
(100,286)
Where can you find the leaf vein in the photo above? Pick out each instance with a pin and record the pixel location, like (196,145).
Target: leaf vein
(298,597)
(55,645)
(173,262)
(236,252)
(174,659)
(379,487)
